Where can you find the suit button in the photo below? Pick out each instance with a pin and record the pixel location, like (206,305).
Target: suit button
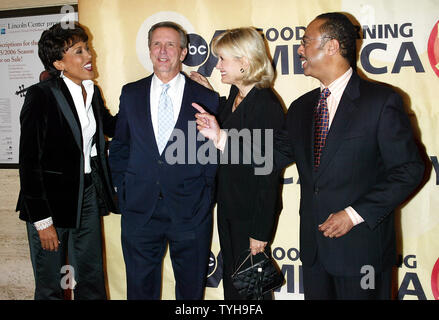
(160,162)
(316,190)
(157,182)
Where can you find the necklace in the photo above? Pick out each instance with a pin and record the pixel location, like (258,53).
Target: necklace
(238,100)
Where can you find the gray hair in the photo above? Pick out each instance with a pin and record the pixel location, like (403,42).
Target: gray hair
(172,25)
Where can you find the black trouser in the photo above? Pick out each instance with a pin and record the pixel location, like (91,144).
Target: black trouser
(144,245)
(234,236)
(320,285)
(80,251)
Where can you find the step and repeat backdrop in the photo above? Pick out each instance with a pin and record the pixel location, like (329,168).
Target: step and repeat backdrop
(399,45)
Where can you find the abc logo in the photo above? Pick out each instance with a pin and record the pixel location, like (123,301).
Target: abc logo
(215,272)
(198,50)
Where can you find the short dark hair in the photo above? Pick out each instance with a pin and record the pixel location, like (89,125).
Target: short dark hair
(338,26)
(172,25)
(55,41)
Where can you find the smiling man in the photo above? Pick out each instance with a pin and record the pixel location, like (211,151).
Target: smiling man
(357,160)
(163,203)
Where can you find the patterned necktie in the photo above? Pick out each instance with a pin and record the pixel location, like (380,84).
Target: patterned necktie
(321,126)
(165,118)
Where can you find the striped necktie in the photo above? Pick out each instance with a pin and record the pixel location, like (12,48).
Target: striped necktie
(321,128)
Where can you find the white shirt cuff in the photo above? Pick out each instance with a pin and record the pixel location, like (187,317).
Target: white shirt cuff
(221,142)
(355,217)
(43,224)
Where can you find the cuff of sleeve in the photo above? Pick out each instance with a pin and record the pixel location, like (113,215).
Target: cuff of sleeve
(221,142)
(43,224)
(355,217)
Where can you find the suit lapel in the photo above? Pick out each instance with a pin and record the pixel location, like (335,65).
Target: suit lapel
(186,114)
(143,114)
(341,123)
(67,109)
(227,113)
(308,125)
(245,108)
(96,106)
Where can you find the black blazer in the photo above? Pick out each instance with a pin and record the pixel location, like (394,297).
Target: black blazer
(370,162)
(242,194)
(51,154)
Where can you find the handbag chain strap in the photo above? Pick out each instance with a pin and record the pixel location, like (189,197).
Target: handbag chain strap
(251,260)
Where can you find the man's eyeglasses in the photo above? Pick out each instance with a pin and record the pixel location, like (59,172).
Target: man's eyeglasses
(306,41)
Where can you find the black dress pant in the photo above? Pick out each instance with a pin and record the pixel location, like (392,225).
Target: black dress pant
(79,254)
(234,236)
(144,245)
(320,285)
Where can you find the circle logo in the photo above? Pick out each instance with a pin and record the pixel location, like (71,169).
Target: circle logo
(142,49)
(435,280)
(197,50)
(215,272)
(433,48)
(212,264)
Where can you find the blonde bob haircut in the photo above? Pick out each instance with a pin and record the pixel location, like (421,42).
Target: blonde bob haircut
(247,43)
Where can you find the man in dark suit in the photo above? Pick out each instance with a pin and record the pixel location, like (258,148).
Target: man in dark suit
(353,176)
(161,201)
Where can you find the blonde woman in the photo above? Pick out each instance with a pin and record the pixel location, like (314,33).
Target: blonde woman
(247,204)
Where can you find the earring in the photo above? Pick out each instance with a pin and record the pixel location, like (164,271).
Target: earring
(242,70)
(61,75)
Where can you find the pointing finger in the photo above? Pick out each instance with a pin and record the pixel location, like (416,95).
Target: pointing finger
(198,107)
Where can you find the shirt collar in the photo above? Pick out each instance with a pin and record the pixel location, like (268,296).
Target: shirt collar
(88,86)
(338,85)
(173,84)
(76,92)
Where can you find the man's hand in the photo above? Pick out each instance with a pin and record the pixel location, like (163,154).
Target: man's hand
(207,123)
(49,239)
(337,225)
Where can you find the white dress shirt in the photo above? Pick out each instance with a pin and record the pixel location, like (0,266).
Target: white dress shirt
(88,127)
(175,92)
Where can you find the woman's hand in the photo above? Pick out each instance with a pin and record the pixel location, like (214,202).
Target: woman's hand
(197,77)
(49,239)
(257,246)
(207,123)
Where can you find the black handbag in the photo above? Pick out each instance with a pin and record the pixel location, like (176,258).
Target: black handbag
(258,278)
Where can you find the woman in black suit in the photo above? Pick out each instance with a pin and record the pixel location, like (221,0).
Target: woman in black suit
(247,202)
(65,183)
